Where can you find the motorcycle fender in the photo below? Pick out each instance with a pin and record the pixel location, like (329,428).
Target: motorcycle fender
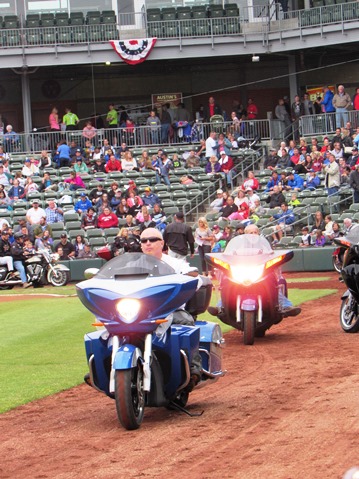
(249,304)
(126,357)
(345,295)
(62,267)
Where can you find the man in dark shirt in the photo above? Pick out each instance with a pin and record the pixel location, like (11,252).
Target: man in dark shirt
(229,208)
(275,198)
(272,160)
(5,257)
(178,237)
(68,248)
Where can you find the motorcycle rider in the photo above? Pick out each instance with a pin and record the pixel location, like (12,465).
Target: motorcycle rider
(152,244)
(5,257)
(285,305)
(17,253)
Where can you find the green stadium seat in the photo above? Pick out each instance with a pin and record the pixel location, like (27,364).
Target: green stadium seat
(62,19)
(77,18)
(93,18)
(32,20)
(184,13)
(154,15)
(47,19)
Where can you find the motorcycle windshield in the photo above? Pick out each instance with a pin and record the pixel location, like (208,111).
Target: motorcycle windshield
(353,235)
(134,265)
(248,245)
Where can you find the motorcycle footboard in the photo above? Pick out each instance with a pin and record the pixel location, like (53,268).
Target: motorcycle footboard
(99,360)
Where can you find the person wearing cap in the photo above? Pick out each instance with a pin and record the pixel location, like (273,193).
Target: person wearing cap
(217,203)
(18,256)
(5,253)
(354,157)
(295,182)
(30,168)
(35,213)
(80,166)
(96,193)
(271,161)
(83,204)
(179,237)
(149,198)
(67,248)
(99,166)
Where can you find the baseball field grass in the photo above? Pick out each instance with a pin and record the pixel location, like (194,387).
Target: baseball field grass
(41,343)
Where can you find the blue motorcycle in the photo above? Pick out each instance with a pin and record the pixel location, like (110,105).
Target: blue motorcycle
(137,356)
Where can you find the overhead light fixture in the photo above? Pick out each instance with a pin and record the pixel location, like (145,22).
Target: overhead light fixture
(255,58)
(107,63)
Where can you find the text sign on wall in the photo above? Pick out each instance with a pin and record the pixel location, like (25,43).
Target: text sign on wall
(159,99)
(314,92)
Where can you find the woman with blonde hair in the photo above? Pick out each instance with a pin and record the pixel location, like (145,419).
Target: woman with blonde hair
(204,239)
(120,242)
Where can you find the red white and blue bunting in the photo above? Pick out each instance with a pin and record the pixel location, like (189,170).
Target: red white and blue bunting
(133,51)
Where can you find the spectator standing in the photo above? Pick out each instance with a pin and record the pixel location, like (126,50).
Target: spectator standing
(112,116)
(63,152)
(341,102)
(308,106)
(211,145)
(356,99)
(89,132)
(179,237)
(211,109)
(70,120)
(282,115)
(332,176)
(204,239)
(154,124)
(55,127)
(354,182)
(165,124)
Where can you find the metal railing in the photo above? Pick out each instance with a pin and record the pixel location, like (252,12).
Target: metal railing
(138,136)
(251,21)
(326,123)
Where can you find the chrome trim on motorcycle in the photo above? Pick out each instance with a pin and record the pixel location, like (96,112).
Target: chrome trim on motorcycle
(187,370)
(147,354)
(115,346)
(260,310)
(91,367)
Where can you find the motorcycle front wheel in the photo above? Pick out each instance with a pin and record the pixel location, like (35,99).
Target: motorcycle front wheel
(130,397)
(57,277)
(249,327)
(349,316)
(338,262)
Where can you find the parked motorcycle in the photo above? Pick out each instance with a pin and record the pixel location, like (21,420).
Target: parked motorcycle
(349,311)
(40,268)
(139,358)
(249,284)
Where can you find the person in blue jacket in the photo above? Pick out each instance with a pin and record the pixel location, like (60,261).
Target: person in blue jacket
(83,204)
(313,181)
(327,101)
(284,219)
(295,182)
(274,181)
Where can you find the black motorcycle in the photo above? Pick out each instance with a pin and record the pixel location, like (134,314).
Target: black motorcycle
(349,311)
(40,268)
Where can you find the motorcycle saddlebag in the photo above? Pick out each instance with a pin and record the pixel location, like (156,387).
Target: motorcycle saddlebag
(199,302)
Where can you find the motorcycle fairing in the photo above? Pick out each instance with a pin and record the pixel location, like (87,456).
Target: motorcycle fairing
(126,357)
(158,295)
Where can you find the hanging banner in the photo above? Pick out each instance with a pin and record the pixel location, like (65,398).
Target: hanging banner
(314,92)
(133,51)
(159,99)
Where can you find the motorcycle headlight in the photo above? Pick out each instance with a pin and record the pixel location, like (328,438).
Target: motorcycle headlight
(247,274)
(128,309)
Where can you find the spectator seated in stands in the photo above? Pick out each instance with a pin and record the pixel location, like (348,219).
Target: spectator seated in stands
(103,202)
(271,161)
(294,201)
(227,165)
(16,192)
(40,228)
(213,168)
(30,168)
(275,198)
(54,213)
(80,166)
(258,210)
(47,184)
(135,204)
(149,198)
(89,219)
(128,163)
(113,165)
(252,197)
(229,208)
(274,181)
(65,248)
(116,200)
(130,188)
(75,181)
(122,209)
(30,186)
(284,220)
(5,202)
(86,252)
(83,204)
(107,219)
(337,151)
(295,182)
(250,182)
(159,217)
(312,181)
(319,239)
(144,219)
(306,239)
(45,160)
(96,193)
(79,244)
(217,203)
(192,159)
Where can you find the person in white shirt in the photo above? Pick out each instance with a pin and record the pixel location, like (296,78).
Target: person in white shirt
(211,145)
(35,213)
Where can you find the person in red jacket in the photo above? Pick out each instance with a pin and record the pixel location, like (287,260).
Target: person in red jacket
(113,165)
(251,182)
(107,219)
(227,164)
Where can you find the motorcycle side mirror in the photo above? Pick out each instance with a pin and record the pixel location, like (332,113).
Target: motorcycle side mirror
(90,272)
